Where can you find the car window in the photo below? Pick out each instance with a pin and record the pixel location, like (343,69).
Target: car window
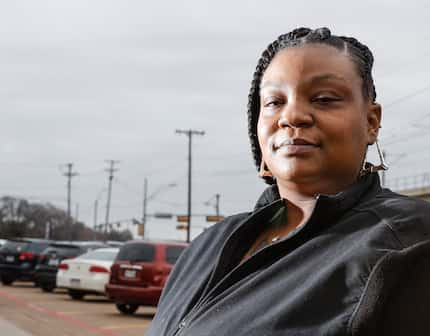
(68,251)
(173,253)
(137,252)
(37,247)
(99,255)
(15,246)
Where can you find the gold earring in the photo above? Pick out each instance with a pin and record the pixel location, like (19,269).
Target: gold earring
(264,171)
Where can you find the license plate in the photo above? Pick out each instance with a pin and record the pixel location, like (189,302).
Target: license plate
(53,262)
(130,273)
(10,258)
(75,282)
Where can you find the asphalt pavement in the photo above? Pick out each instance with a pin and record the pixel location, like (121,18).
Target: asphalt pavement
(9,329)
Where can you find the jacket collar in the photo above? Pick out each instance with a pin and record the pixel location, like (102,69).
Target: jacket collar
(368,184)
(328,210)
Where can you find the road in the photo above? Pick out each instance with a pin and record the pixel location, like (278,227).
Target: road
(26,310)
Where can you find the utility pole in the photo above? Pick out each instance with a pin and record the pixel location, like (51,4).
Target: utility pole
(69,174)
(110,170)
(76,211)
(145,200)
(96,208)
(189,133)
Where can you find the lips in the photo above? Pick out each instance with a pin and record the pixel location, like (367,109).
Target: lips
(293,142)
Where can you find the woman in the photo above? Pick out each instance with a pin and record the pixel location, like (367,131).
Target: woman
(326,250)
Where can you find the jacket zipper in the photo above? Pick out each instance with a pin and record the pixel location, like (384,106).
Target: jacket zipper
(185,321)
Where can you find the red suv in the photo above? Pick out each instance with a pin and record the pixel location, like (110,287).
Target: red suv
(140,272)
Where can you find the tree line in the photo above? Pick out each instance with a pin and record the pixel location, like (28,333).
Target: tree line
(21,218)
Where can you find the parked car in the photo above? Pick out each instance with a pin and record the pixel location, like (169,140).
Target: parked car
(18,259)
(46,270)
(86,274)
(114,243)
(140,272)
(2,242)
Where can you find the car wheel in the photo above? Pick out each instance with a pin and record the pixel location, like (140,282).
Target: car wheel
(7,280)
(76,295)
(47,289)
(127,309)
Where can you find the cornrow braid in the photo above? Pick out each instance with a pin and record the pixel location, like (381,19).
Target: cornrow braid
(359,53)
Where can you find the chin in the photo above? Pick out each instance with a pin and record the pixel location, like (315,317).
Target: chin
(297,174)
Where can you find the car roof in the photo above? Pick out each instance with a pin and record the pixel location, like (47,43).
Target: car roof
(30,240)
(63,245)
(157,242)
(105,249)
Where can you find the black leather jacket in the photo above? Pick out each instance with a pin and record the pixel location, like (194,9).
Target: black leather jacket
(359,266)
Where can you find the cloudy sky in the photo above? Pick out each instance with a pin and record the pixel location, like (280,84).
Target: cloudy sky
(86,81)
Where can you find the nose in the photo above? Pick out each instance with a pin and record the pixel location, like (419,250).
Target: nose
(295,115)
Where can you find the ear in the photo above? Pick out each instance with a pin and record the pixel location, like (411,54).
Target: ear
(374,115)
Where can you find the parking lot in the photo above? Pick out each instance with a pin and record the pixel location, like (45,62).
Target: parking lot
(28,311)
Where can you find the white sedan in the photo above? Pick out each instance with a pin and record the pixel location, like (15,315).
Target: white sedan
(86,274)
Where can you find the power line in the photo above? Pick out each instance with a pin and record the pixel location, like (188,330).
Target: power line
(406,97)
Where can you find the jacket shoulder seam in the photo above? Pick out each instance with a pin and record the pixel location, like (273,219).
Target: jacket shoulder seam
(387,223)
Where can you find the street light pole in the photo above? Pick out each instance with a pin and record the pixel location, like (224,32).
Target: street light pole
(110,170)
(217,196)
(145,201)
(147,198)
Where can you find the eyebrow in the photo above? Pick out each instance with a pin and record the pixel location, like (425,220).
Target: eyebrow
(313,80)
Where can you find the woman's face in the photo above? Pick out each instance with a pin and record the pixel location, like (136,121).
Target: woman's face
(314,124)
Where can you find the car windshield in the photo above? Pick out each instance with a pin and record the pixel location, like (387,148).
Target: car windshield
(99,255)
(137,252)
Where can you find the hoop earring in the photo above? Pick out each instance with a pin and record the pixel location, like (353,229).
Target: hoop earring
(369,168)
(264,170)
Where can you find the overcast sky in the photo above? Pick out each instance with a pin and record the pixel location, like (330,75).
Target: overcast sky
(85,81)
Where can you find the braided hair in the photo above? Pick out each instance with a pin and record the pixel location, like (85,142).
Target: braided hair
(359,53)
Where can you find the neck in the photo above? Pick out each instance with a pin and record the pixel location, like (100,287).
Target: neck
(300,207)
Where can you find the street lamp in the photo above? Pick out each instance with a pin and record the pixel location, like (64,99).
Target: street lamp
(147,198)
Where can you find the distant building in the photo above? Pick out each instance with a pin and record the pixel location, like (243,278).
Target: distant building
(415,186)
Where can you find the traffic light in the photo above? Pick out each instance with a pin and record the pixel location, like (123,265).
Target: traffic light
(140,230)
(182,227)
(182,218)
(214,218)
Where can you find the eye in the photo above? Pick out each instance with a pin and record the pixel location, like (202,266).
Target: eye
(272,103)
(325,99)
